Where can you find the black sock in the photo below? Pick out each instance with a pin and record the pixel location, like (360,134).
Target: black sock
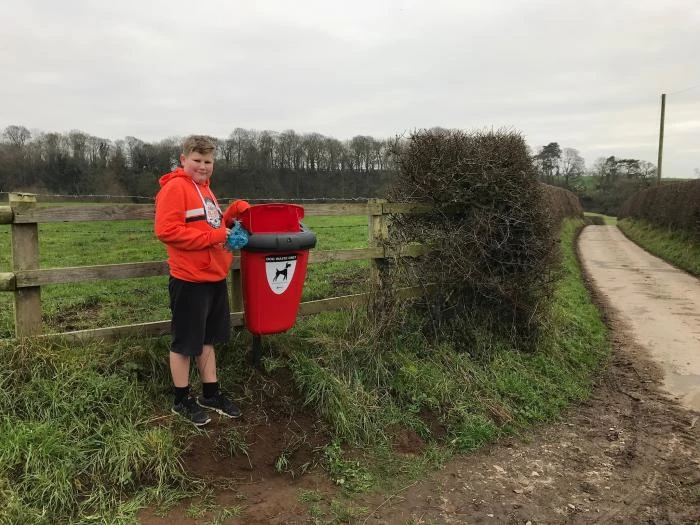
(210,390)
(181,393)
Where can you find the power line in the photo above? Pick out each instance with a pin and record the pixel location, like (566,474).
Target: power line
(295,199)
(252,199)
(696,86)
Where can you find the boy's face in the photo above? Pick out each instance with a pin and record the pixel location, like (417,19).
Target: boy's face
(199,166)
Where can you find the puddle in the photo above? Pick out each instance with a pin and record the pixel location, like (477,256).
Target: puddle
(685,386)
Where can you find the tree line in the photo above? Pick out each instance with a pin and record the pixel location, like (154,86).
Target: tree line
(267,164)
(248,162)
(603,187)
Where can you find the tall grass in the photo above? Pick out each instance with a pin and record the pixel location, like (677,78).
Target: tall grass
(77,436)
(680,248)
(85,434)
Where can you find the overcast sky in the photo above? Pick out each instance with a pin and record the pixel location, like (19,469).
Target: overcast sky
(586,74)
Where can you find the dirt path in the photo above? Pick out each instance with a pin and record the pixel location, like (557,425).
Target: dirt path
(629,454)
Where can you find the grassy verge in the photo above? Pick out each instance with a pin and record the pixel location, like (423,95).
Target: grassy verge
(78,438)
(678,248)
(84,438)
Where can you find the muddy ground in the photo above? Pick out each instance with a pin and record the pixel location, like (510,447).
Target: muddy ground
(629,454)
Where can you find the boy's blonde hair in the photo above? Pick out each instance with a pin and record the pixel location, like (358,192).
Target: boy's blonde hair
(199,143)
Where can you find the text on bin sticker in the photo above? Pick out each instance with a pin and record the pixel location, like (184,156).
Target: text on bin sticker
(280,270)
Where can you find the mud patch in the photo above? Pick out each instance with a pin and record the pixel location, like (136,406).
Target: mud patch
(437,428)
(405,441)
(259,463)
(75,317)
(348,283)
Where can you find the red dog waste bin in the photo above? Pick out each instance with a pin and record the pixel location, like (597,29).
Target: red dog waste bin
(273,266)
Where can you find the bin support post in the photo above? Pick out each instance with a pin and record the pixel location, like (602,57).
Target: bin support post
(236,290)
(25,256)
(256,352)
(378,233)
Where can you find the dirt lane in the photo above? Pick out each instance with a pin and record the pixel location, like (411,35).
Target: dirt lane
(660,304)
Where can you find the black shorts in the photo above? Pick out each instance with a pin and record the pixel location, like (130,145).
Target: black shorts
(200,315)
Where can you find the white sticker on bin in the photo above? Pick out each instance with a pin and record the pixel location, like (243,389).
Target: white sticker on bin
(280,270)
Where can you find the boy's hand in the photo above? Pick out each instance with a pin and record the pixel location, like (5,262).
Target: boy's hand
(236,237)
(223,244)
(234,210)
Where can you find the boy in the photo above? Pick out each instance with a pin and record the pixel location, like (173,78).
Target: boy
(193,228)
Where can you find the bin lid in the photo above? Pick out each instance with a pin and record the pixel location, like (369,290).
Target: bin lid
(272,218)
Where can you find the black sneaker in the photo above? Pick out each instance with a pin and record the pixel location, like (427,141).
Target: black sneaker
(221,404)
(189,409)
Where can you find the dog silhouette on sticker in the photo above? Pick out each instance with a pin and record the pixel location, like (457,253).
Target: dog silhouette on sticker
(280,270)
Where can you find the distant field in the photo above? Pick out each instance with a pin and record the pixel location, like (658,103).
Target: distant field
(606,218)
(108,303)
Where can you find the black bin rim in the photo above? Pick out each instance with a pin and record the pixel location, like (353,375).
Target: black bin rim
(281,241)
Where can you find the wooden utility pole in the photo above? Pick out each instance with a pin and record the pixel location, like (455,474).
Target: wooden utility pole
(661,139)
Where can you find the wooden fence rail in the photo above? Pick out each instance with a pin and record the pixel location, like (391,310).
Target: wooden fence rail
(26,278)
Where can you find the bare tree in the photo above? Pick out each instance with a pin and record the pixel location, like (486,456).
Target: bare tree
(313,142)
(225,151)
(647,170)
(266,143)
(571,167)
(289,149)
(134,147)
(360,152)
(97,151)
(335,150)
(16,135)
(78,141)
(239,142)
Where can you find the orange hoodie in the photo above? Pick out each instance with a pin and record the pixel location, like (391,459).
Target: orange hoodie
(193,228)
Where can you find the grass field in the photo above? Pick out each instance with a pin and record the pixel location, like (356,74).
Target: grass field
(84,437)
(79,306)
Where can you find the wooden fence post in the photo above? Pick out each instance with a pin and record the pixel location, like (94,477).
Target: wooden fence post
(25,256)
(378,232)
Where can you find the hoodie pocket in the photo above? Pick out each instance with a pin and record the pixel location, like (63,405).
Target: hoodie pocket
(201,259)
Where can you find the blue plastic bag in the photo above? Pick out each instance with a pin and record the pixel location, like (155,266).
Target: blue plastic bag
(237,237)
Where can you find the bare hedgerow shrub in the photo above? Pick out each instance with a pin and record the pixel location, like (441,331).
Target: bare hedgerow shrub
(561,204)
(675,205)
(492,250)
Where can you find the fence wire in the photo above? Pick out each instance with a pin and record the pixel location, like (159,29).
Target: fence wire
(151,198)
